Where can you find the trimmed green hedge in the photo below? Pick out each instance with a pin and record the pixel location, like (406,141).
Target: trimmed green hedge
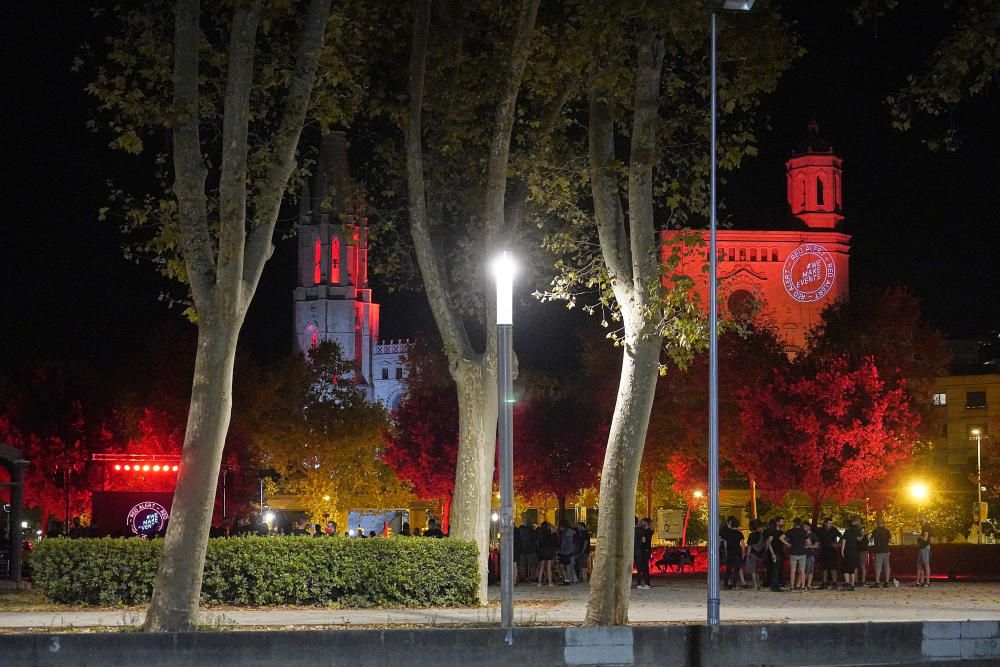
(395,571)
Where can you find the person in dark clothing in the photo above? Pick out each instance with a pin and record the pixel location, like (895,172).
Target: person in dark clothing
(775,544)
(923,552)
(433,529)
(529,550)
(880,547)
(642,551)
(863,539)
(582,551)
(829,538)
(797,539)
(849,554)
(318,530)
(755,551)
(548,545)
(732,544)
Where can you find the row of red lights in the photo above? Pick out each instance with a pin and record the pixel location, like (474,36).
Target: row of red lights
(146,468)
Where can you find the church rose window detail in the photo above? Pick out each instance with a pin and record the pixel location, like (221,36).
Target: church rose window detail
(808,273)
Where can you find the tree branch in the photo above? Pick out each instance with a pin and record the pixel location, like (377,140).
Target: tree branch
(499,156)
(604,188)
(189,167)
(233,179)
(643,157)
(449,323)
(286,139)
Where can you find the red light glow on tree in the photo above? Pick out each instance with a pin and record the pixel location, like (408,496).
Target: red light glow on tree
(832,433)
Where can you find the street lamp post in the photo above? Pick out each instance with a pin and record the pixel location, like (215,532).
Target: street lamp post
(713,334)
(977,434)
(503,271)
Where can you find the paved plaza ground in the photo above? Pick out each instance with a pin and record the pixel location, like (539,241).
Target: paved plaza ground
(670,600)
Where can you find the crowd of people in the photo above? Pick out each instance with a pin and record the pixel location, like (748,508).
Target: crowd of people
(536,549)
(852,553)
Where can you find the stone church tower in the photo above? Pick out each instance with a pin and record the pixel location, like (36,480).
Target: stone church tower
(333,300)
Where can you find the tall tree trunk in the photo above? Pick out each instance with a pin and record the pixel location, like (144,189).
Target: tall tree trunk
(612,574)
(174,606)
(477,419)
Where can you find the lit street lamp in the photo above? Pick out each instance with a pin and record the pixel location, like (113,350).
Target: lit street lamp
(503,271)
(713,334)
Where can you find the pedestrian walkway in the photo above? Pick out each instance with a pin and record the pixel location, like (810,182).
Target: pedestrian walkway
(667,602)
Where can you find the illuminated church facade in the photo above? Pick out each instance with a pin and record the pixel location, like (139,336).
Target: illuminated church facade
(791,272)
(332,301)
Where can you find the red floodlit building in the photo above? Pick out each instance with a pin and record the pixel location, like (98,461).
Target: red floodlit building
(798,267)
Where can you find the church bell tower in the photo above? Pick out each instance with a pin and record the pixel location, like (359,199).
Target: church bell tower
(814,182)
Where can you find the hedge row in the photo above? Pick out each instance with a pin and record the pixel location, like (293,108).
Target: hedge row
(395,571)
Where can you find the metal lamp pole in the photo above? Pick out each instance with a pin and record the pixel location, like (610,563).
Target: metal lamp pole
(978,435)
(503,271)
(713,333)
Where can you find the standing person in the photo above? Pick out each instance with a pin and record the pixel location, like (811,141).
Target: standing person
(732,544)
(775,543)
(755,551)
(880,545)
(548,544)
(582,550)
(849,554)
(643,550)
(863,555)
(529,550)
(797,539)
(923,552)
(567,553)
(829,538)
(812,549)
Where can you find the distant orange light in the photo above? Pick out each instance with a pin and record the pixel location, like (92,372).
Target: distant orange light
(146,468)
(157,467)
(118,467)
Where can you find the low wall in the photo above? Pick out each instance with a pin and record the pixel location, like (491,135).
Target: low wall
(677,645)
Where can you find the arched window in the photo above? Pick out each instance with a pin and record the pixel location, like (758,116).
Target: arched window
(317,262)
(819,191)
(802,192)
(334,261)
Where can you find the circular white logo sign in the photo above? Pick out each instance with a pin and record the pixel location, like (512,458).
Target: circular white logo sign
(808,273)
(147,518)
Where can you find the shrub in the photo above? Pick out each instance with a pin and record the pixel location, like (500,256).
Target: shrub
(398,571)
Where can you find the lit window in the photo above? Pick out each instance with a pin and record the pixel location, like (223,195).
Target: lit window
(335,261)
(975,399)
(939,399)
(318,262)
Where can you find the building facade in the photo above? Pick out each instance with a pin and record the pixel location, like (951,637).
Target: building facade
(333,301)
(789,273)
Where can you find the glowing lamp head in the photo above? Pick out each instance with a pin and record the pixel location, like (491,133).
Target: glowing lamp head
(175,468)
(698,493)
(504,269)
(495,517)
(118,467)
(731,5)
(145,468)
(269,517)
(919,491)
(24,524)
(156,468)
(976,431)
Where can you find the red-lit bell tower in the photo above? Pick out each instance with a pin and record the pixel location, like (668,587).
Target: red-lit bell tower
(813,174)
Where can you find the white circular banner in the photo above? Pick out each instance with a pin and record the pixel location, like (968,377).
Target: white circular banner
(147,518)
(808,273)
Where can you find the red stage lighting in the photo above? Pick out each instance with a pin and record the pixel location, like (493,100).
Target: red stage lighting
(175,468)
(146,468)
(135,468)
(156,467)
(118,467)
(127,467)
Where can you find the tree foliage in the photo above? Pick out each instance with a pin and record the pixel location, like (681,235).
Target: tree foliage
(422,445)
(836,431)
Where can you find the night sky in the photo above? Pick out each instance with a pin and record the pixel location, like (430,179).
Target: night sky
(918,218)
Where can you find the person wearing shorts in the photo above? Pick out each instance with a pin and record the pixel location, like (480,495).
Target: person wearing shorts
(880,545)
(755,551)
(923,553)
(797,555)
(812,548)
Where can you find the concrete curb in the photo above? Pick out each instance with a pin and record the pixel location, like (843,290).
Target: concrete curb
(680,645)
